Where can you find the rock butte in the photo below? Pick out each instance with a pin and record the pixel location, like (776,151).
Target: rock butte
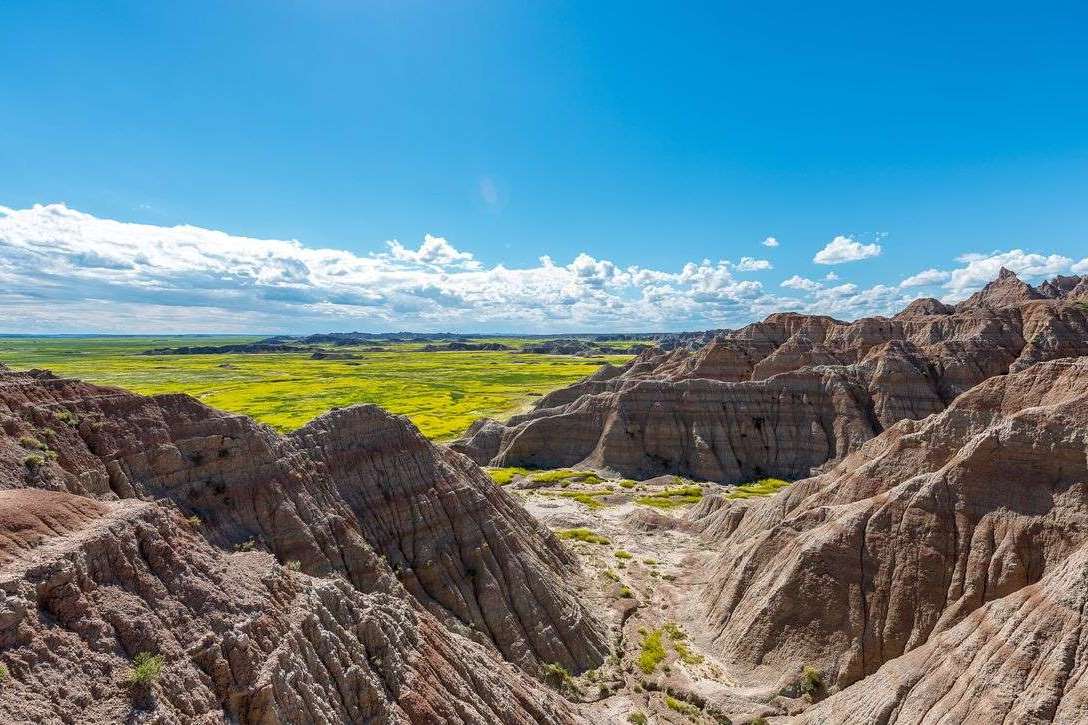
(930,559)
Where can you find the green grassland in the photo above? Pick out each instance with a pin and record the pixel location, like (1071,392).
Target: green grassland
(441,392)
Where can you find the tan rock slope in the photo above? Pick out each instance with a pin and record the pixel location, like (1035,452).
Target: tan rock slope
(349,572)
(946,562)
(793,392)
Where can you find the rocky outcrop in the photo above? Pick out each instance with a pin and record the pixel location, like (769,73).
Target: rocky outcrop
(358,497)
(940,562)
(87,585)
(788,394)
(460,544)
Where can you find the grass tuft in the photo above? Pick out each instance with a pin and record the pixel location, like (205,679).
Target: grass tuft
(762,487)
(503,476)
(652,652)
(147,669)
(582,535)
(671,498)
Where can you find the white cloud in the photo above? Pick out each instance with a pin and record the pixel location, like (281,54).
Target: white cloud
(62,270)
(748,264)
(801,283)
(770,242)
(831,276)
(844,249)
(109,275)
(925,277)
(1080,267)
(979,269)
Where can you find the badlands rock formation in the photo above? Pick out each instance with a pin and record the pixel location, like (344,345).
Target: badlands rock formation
(945,562)
(350,572)
(791,393)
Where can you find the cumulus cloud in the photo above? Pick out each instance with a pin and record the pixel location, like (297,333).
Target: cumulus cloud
(62,270)
(770,242)
(801,283)
(1080,267)
(116,276)
(845,249)
(748,264)
(979,269)
(925,277)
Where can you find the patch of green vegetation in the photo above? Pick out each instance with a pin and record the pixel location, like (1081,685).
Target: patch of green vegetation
(671,498)
(650,562)
(680,706)
(621,554)
(503,476)
(34,461)
(567,476)
(674,631)
(628,483)
(651,652)
(441,392)
(686,654)
(590,499)
(582,535)
(3,673)
(762,487)
(760,720)
(67,417)
(32,444)
(626,593)
(612,575)
(812,680)
(147,669)
(558,676)
(637,718)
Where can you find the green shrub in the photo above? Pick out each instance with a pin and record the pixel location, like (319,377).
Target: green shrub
(612,575)
(67,417)
(626,593)
(762,487)
(637,718)
(686,655)
(651,653)
(674,631)
(33,461)
(147,669)
(628,483)
(33,444)
(558,676)
(582,535)
(3,673)
(503,476)
(680,706)
(621,554)
(812,680)
(567,474)
(590,499)
(293,565)
(759,721)
(671,498)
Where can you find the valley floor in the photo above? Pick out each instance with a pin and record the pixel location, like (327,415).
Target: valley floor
(643,561)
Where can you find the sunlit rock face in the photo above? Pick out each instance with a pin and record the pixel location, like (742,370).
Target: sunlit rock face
(789,394)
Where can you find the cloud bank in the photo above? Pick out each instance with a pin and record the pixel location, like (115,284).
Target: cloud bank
(63,270)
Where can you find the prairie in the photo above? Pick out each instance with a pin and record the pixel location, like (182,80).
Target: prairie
(441,392)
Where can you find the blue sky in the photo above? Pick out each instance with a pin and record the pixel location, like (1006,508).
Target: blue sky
(640,136)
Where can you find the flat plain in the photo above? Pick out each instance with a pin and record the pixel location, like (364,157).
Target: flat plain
(441,392)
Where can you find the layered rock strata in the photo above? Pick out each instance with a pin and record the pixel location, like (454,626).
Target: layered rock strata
(788,394)
(944,562)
